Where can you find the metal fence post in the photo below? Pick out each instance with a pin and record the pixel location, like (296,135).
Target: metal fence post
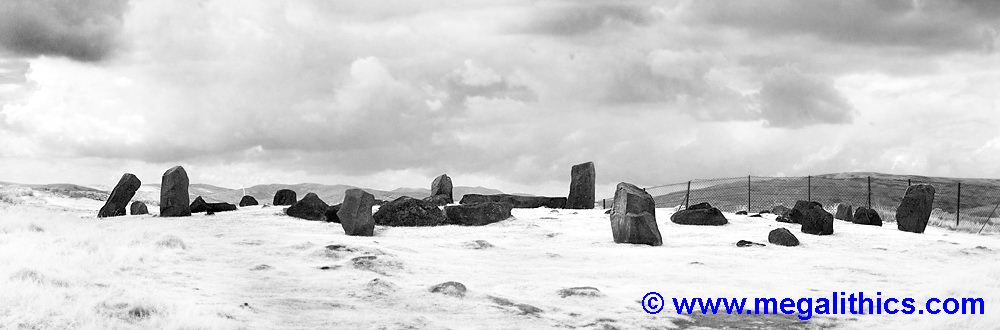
(869,193)
(958,205)
(687,195)
(909,182)
(809,188)
(748,194)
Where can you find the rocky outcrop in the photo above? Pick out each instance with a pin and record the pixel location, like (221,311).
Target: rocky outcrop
(409,212)
(783,237)
(355,213)
(915,209)
(867,216)
(120,196)
(284,197)
(138,208)
(479,214)
(248,201)
(701,214)
(844,212)
(174,198)
(516,201)
(582,187)
(633,216)
(309,208)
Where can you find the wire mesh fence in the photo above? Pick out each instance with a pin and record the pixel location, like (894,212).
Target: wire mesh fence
(964,206)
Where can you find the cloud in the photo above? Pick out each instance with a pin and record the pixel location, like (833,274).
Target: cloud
(791,99)
(576,19)
(82,30)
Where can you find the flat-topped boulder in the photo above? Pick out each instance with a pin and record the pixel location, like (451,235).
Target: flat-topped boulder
(844,212)
(633,216)
(311,207)
(120,196)
(409,212)
(582,187)
(914,211)
(248,201)
(479,214)
(814,219)
(517,201)
(701,214)
(284,197)
(355,213)
(867,216)
(174,198)
(138,208)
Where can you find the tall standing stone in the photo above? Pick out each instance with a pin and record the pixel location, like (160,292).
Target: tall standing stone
(915,209)
(633,216)
(581,187)
(355,213)
(284,197)
(174,198)
(442,187)
(120,196)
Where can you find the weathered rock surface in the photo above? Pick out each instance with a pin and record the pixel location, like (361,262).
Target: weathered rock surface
(518,202)
(284,197)
(783,237)
(844,212)
(450,288)
(915,209)
(866,216)
(633,217)
(138,208)
(814,219)
(355,213)
(701,214)
(120,196)
(582,187)
(248,201)
(199,205)
(439,200)
(479,214)
(311,207)
(174,198)
(441,186)
(409,212)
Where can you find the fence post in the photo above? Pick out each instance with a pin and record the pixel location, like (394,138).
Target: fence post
(869,193)
(958,205)
(909,182)
(748,194)
(809,188)
(687,195)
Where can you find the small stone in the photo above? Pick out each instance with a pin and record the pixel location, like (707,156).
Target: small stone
(450,288)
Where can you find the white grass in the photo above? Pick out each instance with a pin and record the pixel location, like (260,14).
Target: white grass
(62,268)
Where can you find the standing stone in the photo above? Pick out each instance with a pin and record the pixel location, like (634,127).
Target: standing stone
(814,219)
(915,209)
(248,201)
(355,213)
(284,197)
(174,198)
(120,196)
(844,212)
(867,216)
(783,237)
(479,214)
(309,208)
(701,214)
(442,187)
(581,187)
(633,216)
(408,212)
(138,208)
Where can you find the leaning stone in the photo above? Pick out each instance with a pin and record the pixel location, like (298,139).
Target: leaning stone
(582,187)
(480,214)
(120,196)
(138,208)
(174,198)
(633,217)
(783,237)
(284,197)
(309,208)
(915,209)
(355,213)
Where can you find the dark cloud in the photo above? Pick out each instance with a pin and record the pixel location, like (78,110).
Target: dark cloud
(575,19)
(791,99)
(918,26)
(82,30)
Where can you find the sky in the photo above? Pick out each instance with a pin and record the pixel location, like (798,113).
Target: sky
(507,94)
